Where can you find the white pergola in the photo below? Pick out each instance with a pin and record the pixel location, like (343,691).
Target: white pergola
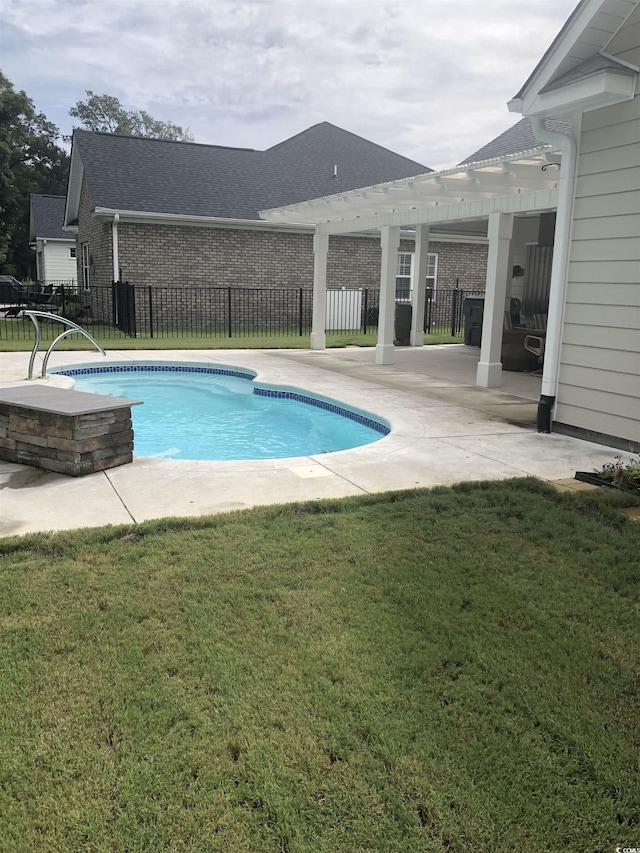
(490,191)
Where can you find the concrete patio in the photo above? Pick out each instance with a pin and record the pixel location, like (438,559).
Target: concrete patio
(444,430)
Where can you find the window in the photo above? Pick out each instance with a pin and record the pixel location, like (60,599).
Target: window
(403,275)
(85,266)
(432,271)
(405,270)
(72,253)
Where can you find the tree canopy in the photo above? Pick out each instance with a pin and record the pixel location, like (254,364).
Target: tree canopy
(31,161)
(105,113)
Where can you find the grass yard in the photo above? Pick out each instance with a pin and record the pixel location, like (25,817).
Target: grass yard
(437,670)
(10,342)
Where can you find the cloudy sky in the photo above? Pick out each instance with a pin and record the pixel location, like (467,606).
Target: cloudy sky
(426,78)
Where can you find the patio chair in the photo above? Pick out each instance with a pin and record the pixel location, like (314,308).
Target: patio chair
(13,299)
(42,295)
(535,345)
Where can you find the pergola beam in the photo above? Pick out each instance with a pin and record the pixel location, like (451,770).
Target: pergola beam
(519,203)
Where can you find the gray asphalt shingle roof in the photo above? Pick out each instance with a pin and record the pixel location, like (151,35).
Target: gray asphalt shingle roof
(47,216)
(156,176)
(520,137)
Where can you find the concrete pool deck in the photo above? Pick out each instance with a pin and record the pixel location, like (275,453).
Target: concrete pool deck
(443,430)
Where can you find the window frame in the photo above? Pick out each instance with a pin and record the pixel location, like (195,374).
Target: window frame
(403,281)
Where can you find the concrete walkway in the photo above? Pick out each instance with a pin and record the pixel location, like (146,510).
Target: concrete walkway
(443,430)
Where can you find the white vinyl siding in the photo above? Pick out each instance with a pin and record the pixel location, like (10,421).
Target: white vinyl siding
(56,264)
(599,387)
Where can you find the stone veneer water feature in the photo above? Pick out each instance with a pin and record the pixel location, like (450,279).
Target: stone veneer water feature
(67,431)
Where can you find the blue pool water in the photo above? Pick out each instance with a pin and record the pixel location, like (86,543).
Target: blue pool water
(197,412)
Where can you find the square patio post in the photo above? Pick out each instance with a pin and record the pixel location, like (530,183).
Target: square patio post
(489,373)
(419,286)
(318,317)
(390,242)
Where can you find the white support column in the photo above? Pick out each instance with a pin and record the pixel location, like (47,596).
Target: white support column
(489,374)
(390,242)
(419,285)
(318,318)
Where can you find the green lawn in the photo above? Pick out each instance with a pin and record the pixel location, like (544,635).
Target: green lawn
(442,670)
(10,342)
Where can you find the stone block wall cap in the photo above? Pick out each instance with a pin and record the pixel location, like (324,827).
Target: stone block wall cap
(62,401)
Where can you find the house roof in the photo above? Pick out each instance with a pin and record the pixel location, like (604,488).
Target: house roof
(591,49)
(519,137)
(47,216)
(590,66)
(126,173)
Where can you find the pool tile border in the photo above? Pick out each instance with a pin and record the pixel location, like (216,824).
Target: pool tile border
(153,368)
(377,426)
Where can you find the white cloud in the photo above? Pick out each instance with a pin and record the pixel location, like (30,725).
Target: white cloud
(428,79)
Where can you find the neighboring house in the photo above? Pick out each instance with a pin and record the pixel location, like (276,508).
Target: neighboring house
(55,249)
(153,212)
(572,189)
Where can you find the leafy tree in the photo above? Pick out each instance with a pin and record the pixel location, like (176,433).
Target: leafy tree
(105,113)
(30,162)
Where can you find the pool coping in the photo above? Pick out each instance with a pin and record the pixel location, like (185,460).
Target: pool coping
(439,435)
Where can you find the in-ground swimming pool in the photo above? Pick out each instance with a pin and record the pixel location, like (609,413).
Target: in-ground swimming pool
(195,411)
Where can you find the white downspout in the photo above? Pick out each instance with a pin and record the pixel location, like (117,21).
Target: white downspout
(560,267)
(114,238)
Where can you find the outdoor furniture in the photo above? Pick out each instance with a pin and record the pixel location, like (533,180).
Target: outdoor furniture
(13,299)
(535,345)
(42,296)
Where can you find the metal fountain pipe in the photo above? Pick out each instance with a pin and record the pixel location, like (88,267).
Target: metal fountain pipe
(74,327)
(566,190)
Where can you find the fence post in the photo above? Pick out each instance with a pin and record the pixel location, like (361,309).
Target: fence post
(300,311)
(454,310)
(230,326)
(114,304)
(132,326)
(428,302)
(150,312)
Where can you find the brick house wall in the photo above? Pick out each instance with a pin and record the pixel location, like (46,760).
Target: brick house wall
(466,262)
(97,233)
(181,255)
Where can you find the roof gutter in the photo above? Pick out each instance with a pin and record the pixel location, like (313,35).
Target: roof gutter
(559,271)
(184,219)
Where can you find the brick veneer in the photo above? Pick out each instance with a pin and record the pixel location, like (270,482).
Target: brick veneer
(97,233)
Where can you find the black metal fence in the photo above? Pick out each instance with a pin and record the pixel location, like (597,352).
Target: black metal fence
(129,310)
